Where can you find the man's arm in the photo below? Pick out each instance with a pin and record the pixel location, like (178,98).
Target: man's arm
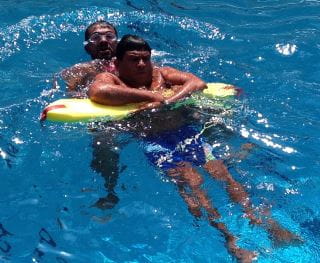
(187,82)
(77,75)
(108,89)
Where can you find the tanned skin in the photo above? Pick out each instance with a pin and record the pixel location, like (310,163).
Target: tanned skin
(102,53)
(140,82)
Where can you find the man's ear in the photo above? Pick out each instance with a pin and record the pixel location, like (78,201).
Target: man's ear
(86,47)
(90,50)
(116,63)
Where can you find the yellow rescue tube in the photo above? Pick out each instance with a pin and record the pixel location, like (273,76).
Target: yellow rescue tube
(75,110)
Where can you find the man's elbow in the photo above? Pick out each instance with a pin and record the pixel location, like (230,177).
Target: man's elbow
(95,94)
(202,85)
(102,95)
(199,84)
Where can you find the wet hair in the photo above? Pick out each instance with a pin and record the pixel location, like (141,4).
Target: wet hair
(130,43)
(101,23)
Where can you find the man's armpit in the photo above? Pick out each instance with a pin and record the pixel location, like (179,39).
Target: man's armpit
(174,76)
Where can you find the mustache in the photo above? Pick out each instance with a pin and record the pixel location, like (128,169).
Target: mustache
(105,46)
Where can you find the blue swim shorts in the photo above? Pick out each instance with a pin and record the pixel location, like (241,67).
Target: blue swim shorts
(184,145)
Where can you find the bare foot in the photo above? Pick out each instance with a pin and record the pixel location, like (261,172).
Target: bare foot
(244,256)
(245,151)
(107,202)
(280,235)
(248,146)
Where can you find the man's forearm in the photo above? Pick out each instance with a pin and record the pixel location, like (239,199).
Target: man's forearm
(186,90)
(115,95)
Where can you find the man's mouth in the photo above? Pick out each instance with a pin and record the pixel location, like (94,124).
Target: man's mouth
(105,50)
(105,53)
(142,72)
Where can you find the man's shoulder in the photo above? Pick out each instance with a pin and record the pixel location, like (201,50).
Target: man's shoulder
(94,66)
(106,76)
(77,67)
(84,64)
(167,71)
(99,64)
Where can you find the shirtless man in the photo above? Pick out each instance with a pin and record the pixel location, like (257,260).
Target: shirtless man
(100,44)
(139,81)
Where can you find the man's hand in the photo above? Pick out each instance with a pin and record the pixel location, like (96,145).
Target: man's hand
(151,105)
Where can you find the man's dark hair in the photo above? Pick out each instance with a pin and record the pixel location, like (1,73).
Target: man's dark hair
(101,23)
(130,43)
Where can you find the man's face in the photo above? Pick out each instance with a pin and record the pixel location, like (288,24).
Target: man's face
(102,42)
(135,68)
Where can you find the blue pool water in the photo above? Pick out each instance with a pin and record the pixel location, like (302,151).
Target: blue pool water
(268,48)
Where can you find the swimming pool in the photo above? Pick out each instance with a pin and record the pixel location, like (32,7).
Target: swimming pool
(269,49)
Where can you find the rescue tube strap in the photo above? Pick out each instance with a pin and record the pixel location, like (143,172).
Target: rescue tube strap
(43,115)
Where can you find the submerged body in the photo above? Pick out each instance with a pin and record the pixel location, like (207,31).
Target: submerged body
(139,81)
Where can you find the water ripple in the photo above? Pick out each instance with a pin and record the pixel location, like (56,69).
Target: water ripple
(34,30)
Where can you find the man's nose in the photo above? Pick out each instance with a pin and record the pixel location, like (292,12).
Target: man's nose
(104,39)
(141,63)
